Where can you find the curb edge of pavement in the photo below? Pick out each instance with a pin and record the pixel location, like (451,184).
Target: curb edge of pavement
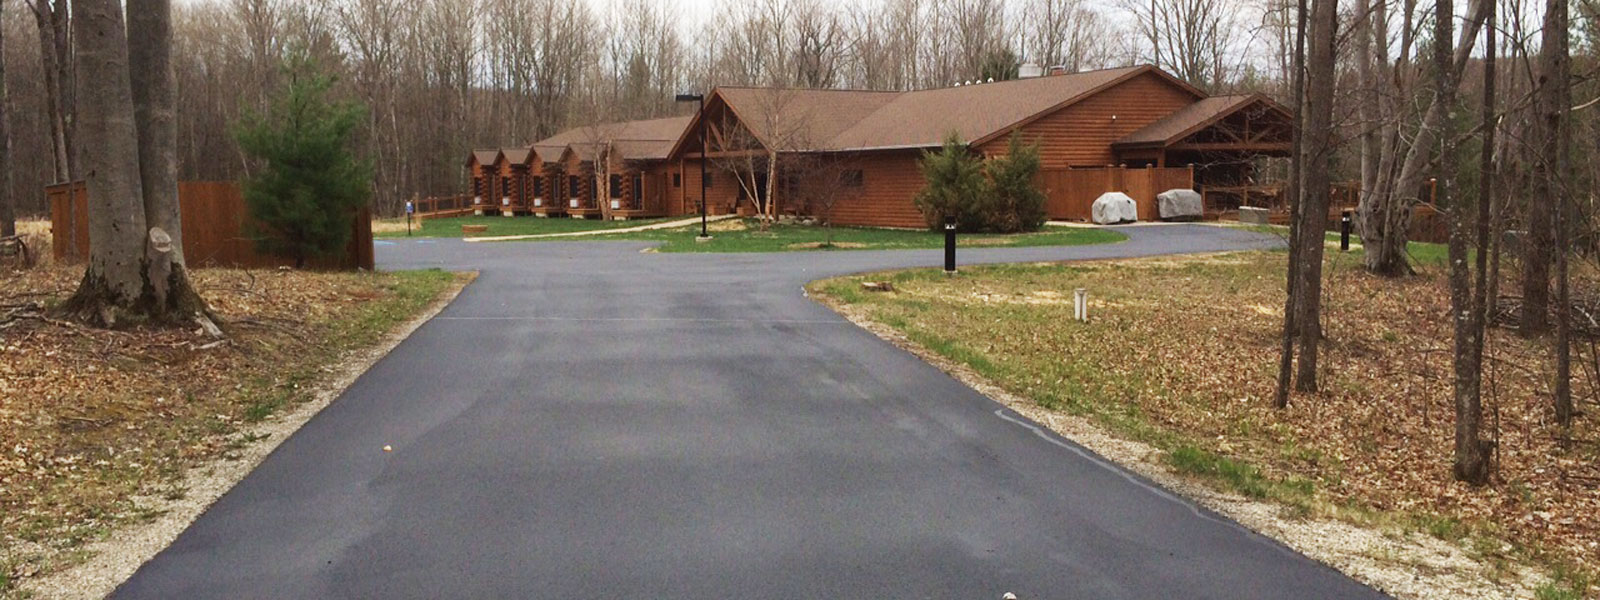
(116,558)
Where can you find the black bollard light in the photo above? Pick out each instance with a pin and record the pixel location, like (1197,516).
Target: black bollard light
(949,245)
(1344,231)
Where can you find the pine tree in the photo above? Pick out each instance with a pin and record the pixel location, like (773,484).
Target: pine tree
(1015,202)
(955,187)
(311,182)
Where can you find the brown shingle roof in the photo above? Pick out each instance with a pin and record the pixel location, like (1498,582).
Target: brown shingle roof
(517,156)
(1188,120)
(638,135)
(974,112)
(810,119)
(484,157)
(866,120)
(643,149)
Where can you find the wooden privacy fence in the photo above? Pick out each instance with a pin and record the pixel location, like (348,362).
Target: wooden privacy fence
(214,232)
(1070,193)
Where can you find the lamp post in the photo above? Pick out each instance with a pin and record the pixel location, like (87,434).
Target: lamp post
(699,112)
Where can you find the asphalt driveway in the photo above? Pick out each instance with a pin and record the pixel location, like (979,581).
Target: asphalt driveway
(589,421)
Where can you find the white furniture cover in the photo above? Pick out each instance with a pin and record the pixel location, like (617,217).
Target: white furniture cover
(1114,207)
(1180,204)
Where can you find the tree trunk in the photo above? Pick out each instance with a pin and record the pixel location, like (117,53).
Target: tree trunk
(49,63)
(114,281)
(1291,298)
(1316,151)
(8,202)
(772,182)
(1385,214)
(63,37)
(1482,303)
(151,78)
(1471,451)
(1549,179)
(132,268)
(1555,96)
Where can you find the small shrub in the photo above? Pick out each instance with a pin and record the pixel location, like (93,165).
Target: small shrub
(996,195)
(1015,203)
(955,187)
(311,182)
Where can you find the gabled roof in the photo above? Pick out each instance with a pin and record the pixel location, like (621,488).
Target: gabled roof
(643,149)
(483,157)
(517,156)
(1193,118)
(980,112)
(805,119)
(587,141)
(868,120)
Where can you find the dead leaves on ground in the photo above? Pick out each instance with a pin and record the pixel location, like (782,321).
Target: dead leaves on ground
(90,418)
(1190,346)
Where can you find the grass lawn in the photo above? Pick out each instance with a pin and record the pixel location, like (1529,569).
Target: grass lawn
(745,236)
(1181,354)
(1422,254)
(525,225)
(92,419)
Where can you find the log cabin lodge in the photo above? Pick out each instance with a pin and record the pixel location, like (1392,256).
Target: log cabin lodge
(1136,130)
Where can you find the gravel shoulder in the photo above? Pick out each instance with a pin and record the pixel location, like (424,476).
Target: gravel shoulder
(115,558)
(1404,564)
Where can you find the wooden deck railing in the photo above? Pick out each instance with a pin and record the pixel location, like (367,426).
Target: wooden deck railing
(443,206)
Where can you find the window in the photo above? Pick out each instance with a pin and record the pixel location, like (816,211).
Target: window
(638,188)
(573,185)
(616,186)
(538,187)
(708,180)
(677,180)
(852,178)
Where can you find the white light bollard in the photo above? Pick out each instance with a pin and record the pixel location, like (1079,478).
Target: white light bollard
(1080,305)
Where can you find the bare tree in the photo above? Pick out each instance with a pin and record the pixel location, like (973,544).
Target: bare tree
(819,45)
(1404,152)
(1065,33)
(132,268)
(1296,230)
(819,181)
(54,53)
(1554,98)
(1194,39)
(1471,450)
(150,68)
(1316,151)
(8,203)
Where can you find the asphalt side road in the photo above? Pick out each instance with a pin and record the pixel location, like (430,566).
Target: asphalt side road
(590,421)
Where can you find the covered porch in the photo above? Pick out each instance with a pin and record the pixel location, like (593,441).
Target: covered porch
(1223,139)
